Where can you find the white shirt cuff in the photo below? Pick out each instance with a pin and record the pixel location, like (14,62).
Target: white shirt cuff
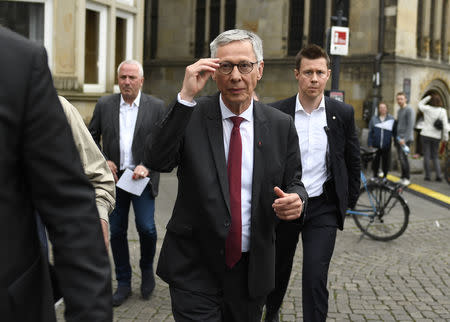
(187,103)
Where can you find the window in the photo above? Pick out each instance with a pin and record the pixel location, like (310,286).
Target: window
(32,19)
(211,11)
(214,19)
(124,41)
(230,14)
(317,22)
(200,18)
(295,36)
(95,48)
(151,29)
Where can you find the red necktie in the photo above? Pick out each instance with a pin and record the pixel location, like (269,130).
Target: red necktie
(233,243)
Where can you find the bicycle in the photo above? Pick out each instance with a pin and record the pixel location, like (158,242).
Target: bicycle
(381,213)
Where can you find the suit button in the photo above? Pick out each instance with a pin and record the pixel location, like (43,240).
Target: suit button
(226,223)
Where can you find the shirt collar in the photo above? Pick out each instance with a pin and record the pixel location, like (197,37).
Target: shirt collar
(299,107)
(135,102)
(226,113)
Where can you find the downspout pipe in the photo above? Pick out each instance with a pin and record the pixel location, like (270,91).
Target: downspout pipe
(377,79)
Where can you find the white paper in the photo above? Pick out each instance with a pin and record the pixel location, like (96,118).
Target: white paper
(127,183)
(386,125)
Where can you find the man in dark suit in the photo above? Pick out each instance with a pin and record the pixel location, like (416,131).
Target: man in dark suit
(330,171)
(122,122)
(40,170)
(234,182)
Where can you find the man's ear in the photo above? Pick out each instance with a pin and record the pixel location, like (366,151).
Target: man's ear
(260,69)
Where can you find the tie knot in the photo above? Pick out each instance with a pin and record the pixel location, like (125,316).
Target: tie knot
(236,120)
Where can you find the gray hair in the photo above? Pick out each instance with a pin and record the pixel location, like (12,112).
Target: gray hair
(132,62)
(237,35)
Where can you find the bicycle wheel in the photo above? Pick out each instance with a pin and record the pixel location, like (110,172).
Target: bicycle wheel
(390,217)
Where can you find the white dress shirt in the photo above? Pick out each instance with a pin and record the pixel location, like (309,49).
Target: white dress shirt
(246,130)
(313,143)
(127,122)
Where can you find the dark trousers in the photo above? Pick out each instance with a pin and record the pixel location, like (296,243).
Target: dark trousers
(318,240)
(144,208)
(431,152)
(403,158)
(383,155)
(231,304)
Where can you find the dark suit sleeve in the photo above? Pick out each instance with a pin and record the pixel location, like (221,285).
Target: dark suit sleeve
(164,143)
(293,172)
(65,200)
(352,159)
(95,125)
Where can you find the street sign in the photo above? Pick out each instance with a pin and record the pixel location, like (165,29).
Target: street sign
(339,41)
(335,94)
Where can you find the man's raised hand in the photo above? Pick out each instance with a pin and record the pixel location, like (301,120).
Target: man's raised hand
(196,76)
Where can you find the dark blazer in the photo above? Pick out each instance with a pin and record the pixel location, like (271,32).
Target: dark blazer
(40,170)
(193,252)
(343,146)
(105,125)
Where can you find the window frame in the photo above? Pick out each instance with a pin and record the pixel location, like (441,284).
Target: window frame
(99,87)
(129,43)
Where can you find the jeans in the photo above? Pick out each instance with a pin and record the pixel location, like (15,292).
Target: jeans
(385,157)
(144,209)
(430,152)
(403,158)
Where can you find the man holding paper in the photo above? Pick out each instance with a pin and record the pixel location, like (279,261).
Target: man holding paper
(122,122)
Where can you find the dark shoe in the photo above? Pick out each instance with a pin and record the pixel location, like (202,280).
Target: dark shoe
(427,178)
(148,284)
(122,293)
(439,179)
(272,317)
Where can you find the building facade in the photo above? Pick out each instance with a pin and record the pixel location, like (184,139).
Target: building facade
(85,41)
(394,45)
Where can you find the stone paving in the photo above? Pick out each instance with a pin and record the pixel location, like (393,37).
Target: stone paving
(407,279)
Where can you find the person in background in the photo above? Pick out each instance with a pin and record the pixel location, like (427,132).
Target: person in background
(41,172)
(404,135)
(122,122)
(380,137)
(330,159)
(432,133)
(239,172)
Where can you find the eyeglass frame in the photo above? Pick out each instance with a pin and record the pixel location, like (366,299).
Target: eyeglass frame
(237,65)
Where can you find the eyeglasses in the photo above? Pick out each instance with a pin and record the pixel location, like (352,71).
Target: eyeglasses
(244,67)
(310,73)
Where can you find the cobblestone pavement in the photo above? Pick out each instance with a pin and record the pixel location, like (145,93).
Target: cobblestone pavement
(407,279)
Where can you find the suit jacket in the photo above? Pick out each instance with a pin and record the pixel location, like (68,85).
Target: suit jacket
(193,252)
(343,148)
(105,126)
(41,171)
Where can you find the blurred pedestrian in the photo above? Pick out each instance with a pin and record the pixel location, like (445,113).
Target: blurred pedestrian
(404,135)
(380,137)
(122,122)
(435,129)
(41,170)
(238,173)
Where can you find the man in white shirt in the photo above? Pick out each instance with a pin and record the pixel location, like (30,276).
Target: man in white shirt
(121,122)
(330,159)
